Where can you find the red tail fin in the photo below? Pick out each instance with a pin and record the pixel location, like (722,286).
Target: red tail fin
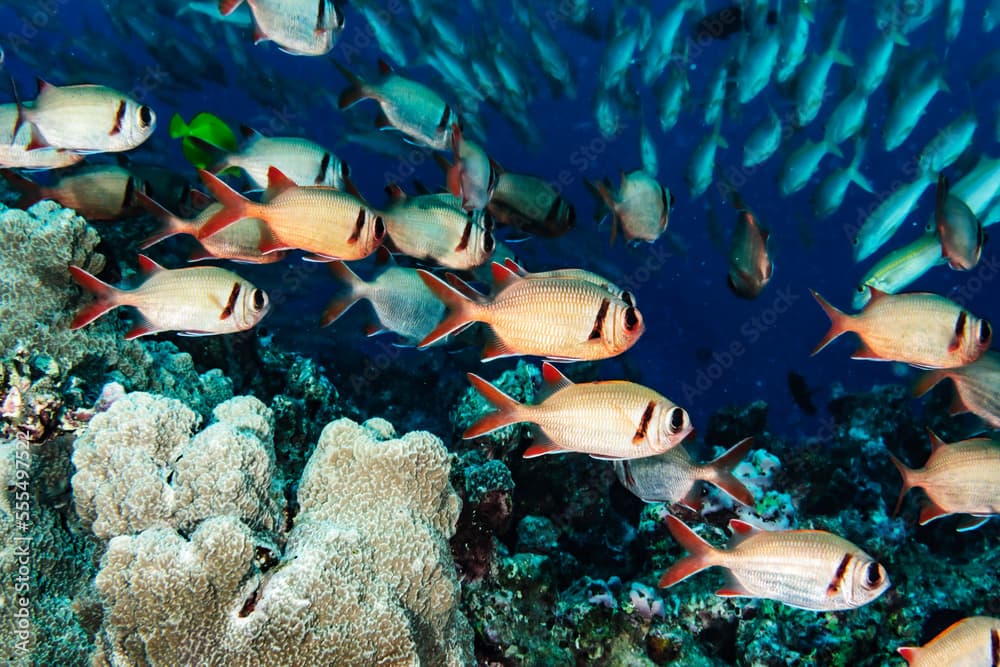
(234,205)
(343,303)
(355,92)
(107,297)
(906,474)
(698,558)
(839,322)
(172,225)
(507,409)
(461,310)
(909,653)
(722,471)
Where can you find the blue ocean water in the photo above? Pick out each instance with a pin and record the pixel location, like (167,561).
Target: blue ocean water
(704,348)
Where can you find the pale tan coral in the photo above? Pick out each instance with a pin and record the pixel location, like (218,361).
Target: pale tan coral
(138,467)
(366,576)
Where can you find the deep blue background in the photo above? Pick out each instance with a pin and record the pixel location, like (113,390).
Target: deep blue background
(689,311)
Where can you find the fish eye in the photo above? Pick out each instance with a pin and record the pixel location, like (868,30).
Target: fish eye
(488,242)
(628,298)
(379,227)
(258,299)
(631,318)
(855,241)
(145,116)
(985,333)
(860,289)
(676,420)
(873,575)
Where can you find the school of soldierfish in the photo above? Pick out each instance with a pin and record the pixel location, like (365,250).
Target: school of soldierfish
(301,199)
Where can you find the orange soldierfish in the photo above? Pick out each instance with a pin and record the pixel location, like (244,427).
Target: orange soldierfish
(977,387)
(556,318)
(920,329)
(673,477)
(435,228)
(239,241)
(971,641)
(808,569)
(96,192)
(958,478)
(196,301)
(329,223)
(608,420)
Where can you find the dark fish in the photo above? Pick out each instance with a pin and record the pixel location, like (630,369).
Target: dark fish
(801,393)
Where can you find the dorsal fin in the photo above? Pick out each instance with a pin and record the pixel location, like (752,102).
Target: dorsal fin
(277,183)
(148,266)
(43,85)
(248,132)
(515,267)
(554,379)
(876,294)
(502,276)
(741,531)
(467,290)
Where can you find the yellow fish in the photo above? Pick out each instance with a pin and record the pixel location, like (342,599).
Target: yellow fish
(977,387)
(971,641)
(196,301)
(920,329)
(556,318)
(958,478)
(608,420)
(329,223)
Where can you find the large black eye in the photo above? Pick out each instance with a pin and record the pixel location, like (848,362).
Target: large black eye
(488,242)
(676,420)
(985,333)
(379,228)
(258,299)
(855,241)
(145,116)
(631,318)
(873,575)
(861,289)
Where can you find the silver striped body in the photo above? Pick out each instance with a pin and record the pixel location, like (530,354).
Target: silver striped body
(194,300)
(403,303)
(433,228)
(304,162)
(963,477)
(801,568)
(602,419)
(970,642)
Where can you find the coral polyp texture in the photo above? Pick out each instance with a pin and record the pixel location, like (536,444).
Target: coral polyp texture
(361,574)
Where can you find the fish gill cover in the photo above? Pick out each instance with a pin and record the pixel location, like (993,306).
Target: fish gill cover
(662,206)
